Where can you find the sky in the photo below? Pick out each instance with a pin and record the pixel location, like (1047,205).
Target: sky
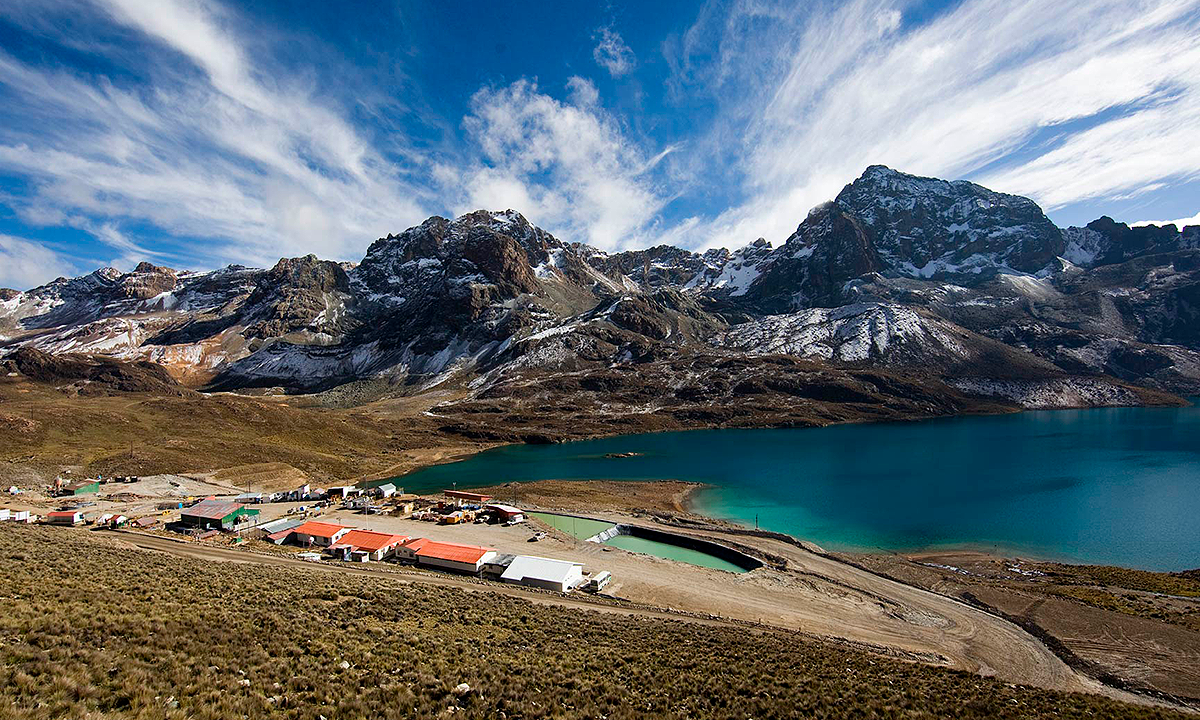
(199,133)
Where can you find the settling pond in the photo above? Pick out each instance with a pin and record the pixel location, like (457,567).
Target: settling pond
(583,528)
(1108,486)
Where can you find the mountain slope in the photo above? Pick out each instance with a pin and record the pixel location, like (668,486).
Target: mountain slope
(945,280)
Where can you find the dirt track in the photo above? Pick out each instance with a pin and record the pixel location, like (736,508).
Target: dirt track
(825,598)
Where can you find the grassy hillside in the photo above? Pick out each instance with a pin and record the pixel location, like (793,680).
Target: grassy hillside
(43,429)
(91,627)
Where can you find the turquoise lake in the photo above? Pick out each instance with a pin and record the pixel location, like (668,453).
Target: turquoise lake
(1108,486)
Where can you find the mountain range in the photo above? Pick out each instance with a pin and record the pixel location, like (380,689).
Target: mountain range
(906,294)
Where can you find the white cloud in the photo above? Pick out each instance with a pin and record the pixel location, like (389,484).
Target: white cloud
(237,154)
(26,264)
(612,53)
(568,167)
(1065,101)
(1179,223)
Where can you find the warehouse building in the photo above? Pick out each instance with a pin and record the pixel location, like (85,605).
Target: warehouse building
(215,514)
(462,497)
(322,534)
(365,545)
(545,573)
(453,556)
(82,487)
(65,517)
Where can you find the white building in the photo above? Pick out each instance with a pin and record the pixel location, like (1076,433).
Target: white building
(540,572)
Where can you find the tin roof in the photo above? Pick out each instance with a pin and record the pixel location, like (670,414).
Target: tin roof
(370,540)
(320,529)
(507,509)
(453,552)
(464,495)
(62,513)
(212,509)
(538,568)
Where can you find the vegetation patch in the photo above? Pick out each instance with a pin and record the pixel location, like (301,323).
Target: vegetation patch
(94,627)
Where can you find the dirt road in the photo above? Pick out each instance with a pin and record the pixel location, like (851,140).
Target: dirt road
(822,598)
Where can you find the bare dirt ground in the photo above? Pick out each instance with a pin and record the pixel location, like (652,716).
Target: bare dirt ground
(1111,621)
(815,595)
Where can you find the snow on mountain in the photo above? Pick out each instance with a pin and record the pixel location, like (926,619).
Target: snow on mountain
(859,333)
(899,271)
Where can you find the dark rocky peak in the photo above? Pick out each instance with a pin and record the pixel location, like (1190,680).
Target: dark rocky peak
(926,227)
(307,273)
(829,248)
(303,293)
(659,266)
(7,294)
(146,281)
(1105,241)
(497,248)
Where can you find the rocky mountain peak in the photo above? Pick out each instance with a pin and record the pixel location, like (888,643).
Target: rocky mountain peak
(927,227)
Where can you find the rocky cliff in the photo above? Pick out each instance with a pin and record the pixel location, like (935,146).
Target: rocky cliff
(975,292)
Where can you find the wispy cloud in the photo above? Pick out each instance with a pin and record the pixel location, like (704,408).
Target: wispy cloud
(1066,101)
(27,263)
(567,165)
(612,53)
(216,148)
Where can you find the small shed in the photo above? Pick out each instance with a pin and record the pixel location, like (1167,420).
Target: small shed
(146,522)
(249,498)
(546,573)
(507,513)
(65,517)
(215,514)
(386,490)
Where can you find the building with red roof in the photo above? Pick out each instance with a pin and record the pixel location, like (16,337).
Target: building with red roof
(320,533)
(462,496)
(454,556)
(364,545)
(65,517)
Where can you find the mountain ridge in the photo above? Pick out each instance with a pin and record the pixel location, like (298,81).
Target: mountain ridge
(943,278)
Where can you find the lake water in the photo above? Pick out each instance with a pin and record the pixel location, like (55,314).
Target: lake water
(583,529)
(1114,486)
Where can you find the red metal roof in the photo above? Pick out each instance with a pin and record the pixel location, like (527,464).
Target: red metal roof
(417,543)
(371,541)
(319,529)
(212,509)
(453,552)
(62,513)
(464,495)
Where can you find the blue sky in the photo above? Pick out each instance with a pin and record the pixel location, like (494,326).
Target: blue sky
(197,133)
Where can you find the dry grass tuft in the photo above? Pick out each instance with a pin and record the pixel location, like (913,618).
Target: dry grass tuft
(92,627)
